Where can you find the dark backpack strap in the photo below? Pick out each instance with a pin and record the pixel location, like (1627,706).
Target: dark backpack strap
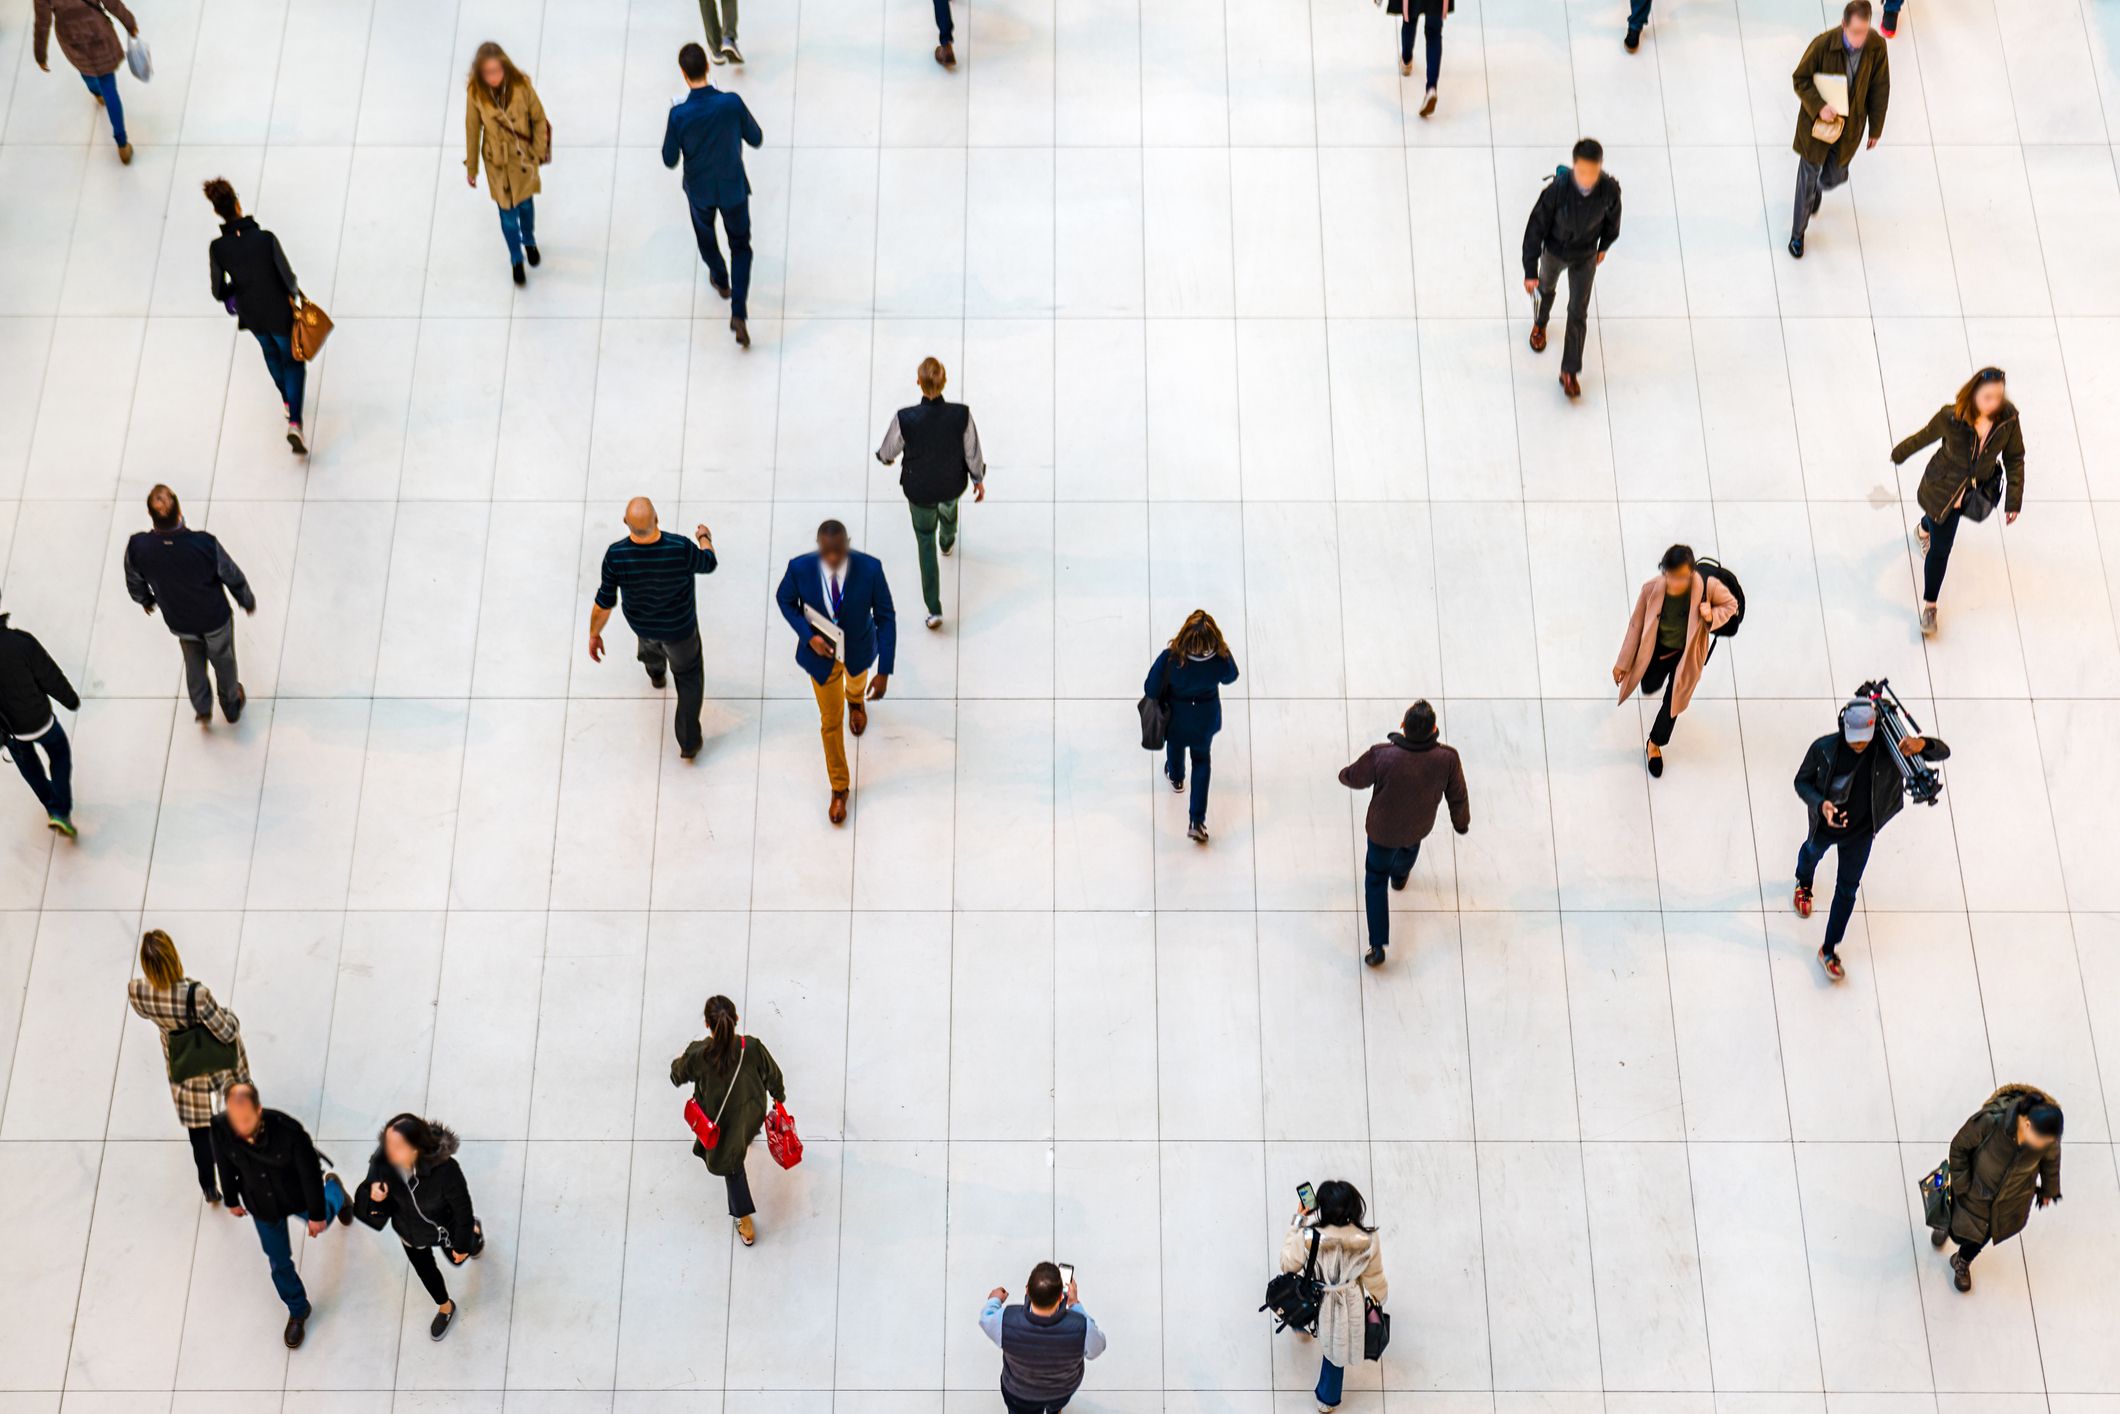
(1310,1263)
(191,1005)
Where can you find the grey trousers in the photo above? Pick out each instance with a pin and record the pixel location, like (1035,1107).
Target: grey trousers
(1581,275)
(719,16)
(217,648)
(680,659)
(1813,181)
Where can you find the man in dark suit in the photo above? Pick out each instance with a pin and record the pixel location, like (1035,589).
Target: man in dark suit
(846,589)
(709,129)
(1857,53)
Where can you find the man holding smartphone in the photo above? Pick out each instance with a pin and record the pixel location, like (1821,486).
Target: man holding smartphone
(1044,1342)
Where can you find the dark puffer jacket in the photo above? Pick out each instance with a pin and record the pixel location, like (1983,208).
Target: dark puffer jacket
(1994,1178)
(1960,460)
(29,683)
(429,1208)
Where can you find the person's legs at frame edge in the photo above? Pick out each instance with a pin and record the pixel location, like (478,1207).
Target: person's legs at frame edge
(1331,1379)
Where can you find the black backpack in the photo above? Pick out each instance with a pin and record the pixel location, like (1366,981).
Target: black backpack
(1294,1297)
(1716,570)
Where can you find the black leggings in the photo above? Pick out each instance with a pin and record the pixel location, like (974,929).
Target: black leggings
(422,1260)
(202,1158)
(1662,673)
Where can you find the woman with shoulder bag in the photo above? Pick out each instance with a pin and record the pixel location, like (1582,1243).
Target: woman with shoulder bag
(1190,675)
(1980,461)
(415,1184)
(202,1045)
(252,281)
(732,1076)
(1350,1265)
(505,126)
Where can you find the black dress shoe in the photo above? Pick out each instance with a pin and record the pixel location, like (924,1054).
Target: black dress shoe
(530,254)
(1656,764)
(719,288)
(1374,957)
(743,333)
(520,277)
(1634,40)
(293,1334)
(656,680)
(1399,884)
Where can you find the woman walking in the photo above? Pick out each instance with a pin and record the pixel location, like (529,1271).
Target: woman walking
(505,127)
(731,1076)
(2005,1158)
(1668,639)
(1189,675)
(415,1184)
(1981,448)
(202,1045)
(91,46)
(252,281)
(1350,1264)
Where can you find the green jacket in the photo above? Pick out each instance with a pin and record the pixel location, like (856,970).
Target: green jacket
(757,1077)
(1993,1178)
(1960,461)
(1868,96)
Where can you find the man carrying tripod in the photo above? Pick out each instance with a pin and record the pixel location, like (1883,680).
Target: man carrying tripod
(1852,791)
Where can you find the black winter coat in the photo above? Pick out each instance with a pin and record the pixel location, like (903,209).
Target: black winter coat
(432,1208)
(29,683)
(279,1176)
(1570,224)
(1817,782)
(249,266)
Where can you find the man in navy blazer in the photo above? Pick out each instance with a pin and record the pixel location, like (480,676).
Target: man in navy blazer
(709,129)
(846,588)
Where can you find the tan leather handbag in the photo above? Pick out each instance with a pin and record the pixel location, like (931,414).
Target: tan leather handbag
(312,326)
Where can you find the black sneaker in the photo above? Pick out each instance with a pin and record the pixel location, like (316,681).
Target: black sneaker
(1634,40)
(656,680)
(520,277)
(530,254)
(439,1326)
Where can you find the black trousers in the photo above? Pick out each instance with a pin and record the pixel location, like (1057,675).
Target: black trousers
(202,1158)
(681,660)
(1663,668)
(740,1204)
(423,1262)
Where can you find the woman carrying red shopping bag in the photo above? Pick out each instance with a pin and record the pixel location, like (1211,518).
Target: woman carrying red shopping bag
(732,1076)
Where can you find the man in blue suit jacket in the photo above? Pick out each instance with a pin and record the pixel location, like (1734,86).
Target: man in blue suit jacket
(846,587)
(709,129)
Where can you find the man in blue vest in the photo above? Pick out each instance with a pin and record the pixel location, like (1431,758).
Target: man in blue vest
(1044,1342)
(709,130)
(941,446)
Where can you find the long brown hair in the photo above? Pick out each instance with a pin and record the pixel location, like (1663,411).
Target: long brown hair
(477,86)
(1200,637)
(721,1026)
(159,962)
(1962,406)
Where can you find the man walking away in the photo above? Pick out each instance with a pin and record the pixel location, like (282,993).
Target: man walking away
(709,130)
(1044,1342)
(1573,223)
(1408,775)
(2004,1158)
(652,570)
(941,446)
(270,1172)
(189,575)
(1826,138)
(29,683)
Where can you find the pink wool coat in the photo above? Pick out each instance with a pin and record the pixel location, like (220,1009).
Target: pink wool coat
(1639,644)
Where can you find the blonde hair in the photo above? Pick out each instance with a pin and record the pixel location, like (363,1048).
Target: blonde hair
(1200,636)
(932,377)
(159,962)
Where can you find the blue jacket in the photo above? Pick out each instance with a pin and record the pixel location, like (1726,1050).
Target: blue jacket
(865,613)
(1195,696)
(708,130)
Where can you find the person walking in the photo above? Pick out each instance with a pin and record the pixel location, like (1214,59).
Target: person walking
(29,683)
(941,447)
(1668,639)
(732,1076)
(1189,674)
(2004,1158)
(91,46)
(652,570)
(1573,223)
(202,1046)
(1979,463)
(270,1172)
(189,575)
(719,17)
(839,604)
(1850,796)
(416,1186)
(252,281)
(1428,13)
(1408,774)
(505,128)
(709,130)
(1046,1342)
(1827,139)
(1350,1263)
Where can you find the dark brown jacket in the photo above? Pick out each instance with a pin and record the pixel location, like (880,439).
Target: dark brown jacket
(85,34)
(1993,1178)
(1868,96)
(1409,781)
(743,1113)
(1960,460)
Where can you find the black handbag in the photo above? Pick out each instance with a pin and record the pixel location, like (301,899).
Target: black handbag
(1295,1297)
(1155,715)
(195,1051)
(1936,1198)
(1376,1329)
(1981,497)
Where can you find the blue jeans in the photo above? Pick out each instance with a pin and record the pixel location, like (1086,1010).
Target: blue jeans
(1637,16)
(736,220)
(105,87)
(1330,1377)
(1384,866)
(55,791)
(1202,769)
(279,1251)
(1854,858)
(1433,14)
(1943,535)
(1892,7)
(943,28)
(289,374)
(519,228)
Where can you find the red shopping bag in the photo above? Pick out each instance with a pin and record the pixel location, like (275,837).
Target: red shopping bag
(782,1142)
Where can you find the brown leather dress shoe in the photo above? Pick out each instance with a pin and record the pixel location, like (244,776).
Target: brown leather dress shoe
(838,812)
(1538,338)
(946,55)
(857,718)
(1571,385)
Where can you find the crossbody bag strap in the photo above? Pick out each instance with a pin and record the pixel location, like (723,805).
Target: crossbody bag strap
(191,1005)
(1310,1263)
(743,1048)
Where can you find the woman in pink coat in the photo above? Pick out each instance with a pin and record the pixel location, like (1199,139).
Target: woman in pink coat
(1668,639)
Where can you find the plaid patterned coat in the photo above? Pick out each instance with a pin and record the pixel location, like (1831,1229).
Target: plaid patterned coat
(165,1008)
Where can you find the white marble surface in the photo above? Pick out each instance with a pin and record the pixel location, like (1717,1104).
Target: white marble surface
(1242,331)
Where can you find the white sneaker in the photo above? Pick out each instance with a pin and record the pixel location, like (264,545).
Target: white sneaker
(1928,620)
(718,56)
(934,621)
(1921,533)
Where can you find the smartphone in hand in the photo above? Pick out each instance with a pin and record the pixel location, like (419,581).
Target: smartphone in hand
(1307,1197)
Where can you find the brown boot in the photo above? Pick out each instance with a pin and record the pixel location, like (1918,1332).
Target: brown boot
(838,811)
(125,154)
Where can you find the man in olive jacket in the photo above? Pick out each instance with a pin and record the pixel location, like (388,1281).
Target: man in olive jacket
(2004,1158)
(1857,53)
(1409,774)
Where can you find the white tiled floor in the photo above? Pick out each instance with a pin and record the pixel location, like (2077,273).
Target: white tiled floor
(1244,332)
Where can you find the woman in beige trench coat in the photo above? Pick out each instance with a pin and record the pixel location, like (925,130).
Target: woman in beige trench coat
(1668,639)
(505,129)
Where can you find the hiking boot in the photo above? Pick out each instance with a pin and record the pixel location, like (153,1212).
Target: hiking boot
(1961,1273)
